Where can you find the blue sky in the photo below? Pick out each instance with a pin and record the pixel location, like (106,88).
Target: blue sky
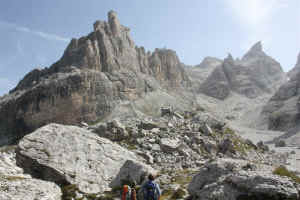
(34,33)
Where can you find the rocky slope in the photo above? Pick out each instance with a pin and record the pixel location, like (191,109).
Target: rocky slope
(95,74)
(282,111)
(296,69)
(199,73)
(254,75)
(92,167)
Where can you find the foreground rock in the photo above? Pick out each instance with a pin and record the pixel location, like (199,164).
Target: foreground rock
(14,185)
(20,188)
(236,179)
(72,155)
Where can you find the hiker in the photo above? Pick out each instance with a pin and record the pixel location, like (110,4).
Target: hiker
(151,190)
(129,193)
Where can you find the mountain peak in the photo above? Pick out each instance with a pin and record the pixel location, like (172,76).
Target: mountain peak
(229,59)
(255,51)
(257,47)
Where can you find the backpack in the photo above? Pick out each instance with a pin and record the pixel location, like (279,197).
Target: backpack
(150,191)
(126,192)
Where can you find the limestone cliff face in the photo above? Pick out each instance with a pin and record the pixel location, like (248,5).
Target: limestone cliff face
(283,109)
(95,73)
(296,69)
(256,74)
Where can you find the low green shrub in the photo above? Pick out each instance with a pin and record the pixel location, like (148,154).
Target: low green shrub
(283,171)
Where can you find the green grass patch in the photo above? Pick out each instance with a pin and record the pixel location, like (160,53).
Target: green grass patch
(178,194)
(166,194)
(283,171)
(12,178)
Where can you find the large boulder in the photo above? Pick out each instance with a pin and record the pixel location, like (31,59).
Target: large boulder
(72,155)
(132,172)
(15,185)
(228,179)
(20,188)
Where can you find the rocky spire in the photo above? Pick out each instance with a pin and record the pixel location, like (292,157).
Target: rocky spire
(298,61)
(255,51)
(257,47)
(114,22)
(293,72)
(229,59)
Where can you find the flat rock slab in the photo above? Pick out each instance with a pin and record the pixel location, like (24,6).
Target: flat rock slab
(72,155)
(21,188)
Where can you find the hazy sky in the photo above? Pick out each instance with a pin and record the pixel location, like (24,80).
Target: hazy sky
(34,33)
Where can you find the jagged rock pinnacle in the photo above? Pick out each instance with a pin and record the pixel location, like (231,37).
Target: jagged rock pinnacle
(114,22)
(229,59)
(257,47)
(255,51)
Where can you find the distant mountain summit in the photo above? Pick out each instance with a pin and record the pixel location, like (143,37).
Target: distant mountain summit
(95,74)
(254,75)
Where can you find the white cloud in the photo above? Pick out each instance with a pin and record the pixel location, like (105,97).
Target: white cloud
(41,34)
(256,18)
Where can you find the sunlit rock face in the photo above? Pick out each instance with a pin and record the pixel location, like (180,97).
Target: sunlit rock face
(95,73)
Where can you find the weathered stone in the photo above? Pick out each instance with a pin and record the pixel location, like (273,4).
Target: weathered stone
(280,143)
(224,180)
(169,145)
(15,185)
(131,172)
(262,146)
(226,146)
(71,155)
(206,130)
(148,125)
(20,188)
(112,130)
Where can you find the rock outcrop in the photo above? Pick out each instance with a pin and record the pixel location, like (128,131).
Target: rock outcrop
(282,110)
(132,172)
(15,185)
(72,155)
(95,73)
(199,73)
(227,179)
(254,75)
(295,70)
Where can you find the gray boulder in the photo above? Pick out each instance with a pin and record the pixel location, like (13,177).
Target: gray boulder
(169,145)
(113,130)
(228,179)
(132,171)
(72,155)
(280,143)
(15,185)
(21,188)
